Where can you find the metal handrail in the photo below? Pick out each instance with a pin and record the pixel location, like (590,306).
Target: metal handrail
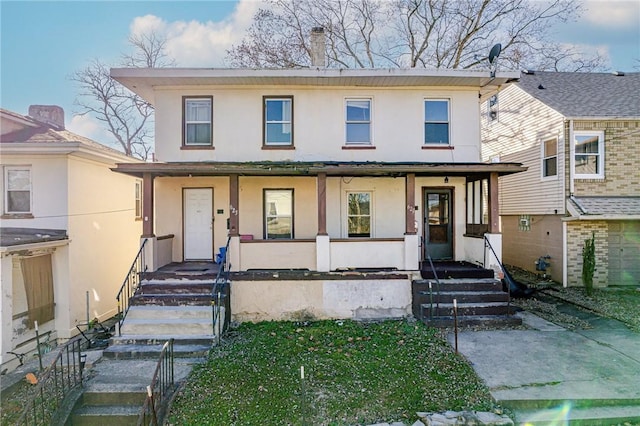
(161,388)
(504,271)
(219,292)
(130,285)
(435,276)
(58,381)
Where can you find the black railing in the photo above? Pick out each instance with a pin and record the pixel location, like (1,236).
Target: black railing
(220,294)
(130,285)
(57,382)
(435,276)
(504,271)
(161,388)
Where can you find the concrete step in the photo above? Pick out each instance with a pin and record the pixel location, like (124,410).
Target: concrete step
(468,309)
(161,299)
(106,415)
(157,312)
(167,326)
(474,320)
(132,396)
(458,284)
(160,339)
(176,288)
(146,351)
(592,416)
(464,296)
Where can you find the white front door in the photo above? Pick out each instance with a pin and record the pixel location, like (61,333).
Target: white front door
(198,223)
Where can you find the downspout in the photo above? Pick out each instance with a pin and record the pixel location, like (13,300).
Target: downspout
(565,251)
(571,159)
(565,262)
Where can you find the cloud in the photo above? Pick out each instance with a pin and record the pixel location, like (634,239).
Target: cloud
(89,127)
(196,43)
(613,13)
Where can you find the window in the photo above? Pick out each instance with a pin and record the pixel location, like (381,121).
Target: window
(492,108)
(138,198)
(359,214)
(17,193)
(278,214)
(198,117)
(38,284)
(477,207)
(589,155)
(436,121)
(278,121)
(550,158)
(358,121)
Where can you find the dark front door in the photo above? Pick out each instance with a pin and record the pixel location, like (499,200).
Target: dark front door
(438,226)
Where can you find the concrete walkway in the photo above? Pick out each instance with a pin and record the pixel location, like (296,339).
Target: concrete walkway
(548,373)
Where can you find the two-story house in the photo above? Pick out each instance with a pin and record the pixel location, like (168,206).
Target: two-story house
(68,228)
(578,134)
(318,170)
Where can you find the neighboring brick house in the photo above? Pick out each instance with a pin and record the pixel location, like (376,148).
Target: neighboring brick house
(318,170)
(68,226)
(578,134)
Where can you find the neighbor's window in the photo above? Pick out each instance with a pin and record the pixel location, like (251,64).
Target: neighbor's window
(550,158)
(138,198)
(477,207)
(436,121)
(588,154)
(278,121)
(278,213)
(492,108)
(359,214)
(198,119)
(17,190)
(358,121)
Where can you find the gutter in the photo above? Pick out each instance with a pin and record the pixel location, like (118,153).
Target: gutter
(34,246)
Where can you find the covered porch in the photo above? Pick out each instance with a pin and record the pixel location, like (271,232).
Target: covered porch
(416,210)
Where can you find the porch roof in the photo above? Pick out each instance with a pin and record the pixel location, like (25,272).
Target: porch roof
(331,168)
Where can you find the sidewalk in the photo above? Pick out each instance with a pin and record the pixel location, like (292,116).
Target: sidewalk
(550,368)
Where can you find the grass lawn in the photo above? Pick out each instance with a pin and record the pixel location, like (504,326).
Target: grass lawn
(355,373)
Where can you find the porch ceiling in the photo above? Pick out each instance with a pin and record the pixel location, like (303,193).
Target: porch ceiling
(314,168)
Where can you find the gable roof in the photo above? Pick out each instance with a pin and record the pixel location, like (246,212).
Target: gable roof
(585,95)
(34,132)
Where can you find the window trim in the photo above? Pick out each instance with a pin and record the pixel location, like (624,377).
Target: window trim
(6,191)
(186,145)
(425,122)
(264,213)
(347,122)
(544,158)
(347,215)
(600,154)
(276,145)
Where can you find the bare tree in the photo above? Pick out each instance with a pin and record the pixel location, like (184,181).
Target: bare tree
(412,33)
(126,116)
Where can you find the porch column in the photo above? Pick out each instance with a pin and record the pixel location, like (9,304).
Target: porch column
(147,205)
(410,214)
(234,197)
(322,203)
(494,204)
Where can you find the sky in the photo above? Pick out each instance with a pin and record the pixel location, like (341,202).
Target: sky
(43,42)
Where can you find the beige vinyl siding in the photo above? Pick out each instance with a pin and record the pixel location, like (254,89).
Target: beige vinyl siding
(517,135)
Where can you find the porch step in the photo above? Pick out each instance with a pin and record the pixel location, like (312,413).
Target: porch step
(475,320)
(162,299)
(162,312)
(467,296)
(176,287)
(152,352)
(167,326)
(459,284)
(468,309)
(453,269)
(105,415)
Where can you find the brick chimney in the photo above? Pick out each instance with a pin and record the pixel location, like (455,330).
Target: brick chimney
(317,47)
(52,115)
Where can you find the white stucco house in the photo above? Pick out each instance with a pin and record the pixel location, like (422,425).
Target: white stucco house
(319,170)
(69,228)
(578,135)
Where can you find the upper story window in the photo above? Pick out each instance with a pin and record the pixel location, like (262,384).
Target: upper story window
(359,214)
(278,121)
(550,158)
(17,190)
(588,154)
(198,120)
(278,214)
(358,121)
(436,121)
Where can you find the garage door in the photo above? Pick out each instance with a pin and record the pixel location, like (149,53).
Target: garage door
(624,253)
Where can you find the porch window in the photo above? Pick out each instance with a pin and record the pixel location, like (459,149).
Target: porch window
(436,121)
(477,207)
(278,214)
(359,214)
(278,121)
(138,199)
(17,190)
(198,119)
(550,158)
(38,284)
(358,121)
(589,154)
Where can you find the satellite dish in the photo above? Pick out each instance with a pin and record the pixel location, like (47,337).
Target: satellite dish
(494,53)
